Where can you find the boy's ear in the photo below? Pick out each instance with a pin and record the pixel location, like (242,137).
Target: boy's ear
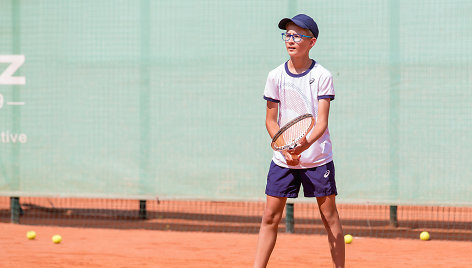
(313,42)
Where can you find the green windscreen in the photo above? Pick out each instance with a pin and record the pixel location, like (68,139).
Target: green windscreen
(145,99)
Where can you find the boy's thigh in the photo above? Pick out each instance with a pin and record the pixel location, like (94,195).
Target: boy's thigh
(282,182)
(319,181)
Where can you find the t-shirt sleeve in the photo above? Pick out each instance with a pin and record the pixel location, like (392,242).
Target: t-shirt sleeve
(271,90)
(326,88)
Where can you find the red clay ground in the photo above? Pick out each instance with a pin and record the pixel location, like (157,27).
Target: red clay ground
(89,247)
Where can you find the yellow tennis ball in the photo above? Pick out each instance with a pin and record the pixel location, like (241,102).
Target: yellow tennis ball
(56,239)
(348,239)
(31,235)
(424,236)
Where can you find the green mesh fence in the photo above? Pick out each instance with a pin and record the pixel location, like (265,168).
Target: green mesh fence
(146,99)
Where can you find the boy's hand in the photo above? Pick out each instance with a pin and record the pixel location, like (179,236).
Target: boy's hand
(292,160)
(301,146)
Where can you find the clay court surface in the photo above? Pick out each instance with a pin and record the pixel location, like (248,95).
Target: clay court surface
(101,247)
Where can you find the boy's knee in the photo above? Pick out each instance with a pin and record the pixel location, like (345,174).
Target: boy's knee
(331,215)
(271,217)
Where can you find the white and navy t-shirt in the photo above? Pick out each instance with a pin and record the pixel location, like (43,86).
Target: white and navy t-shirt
(298,94)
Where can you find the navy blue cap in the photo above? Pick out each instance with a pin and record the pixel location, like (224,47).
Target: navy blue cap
(301,20)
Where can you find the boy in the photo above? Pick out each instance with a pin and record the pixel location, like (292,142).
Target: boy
(299,86)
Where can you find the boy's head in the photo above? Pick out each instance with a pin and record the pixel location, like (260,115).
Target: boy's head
(300,36)
(302,21)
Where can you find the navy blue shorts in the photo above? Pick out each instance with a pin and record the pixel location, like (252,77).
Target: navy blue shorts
(285,182)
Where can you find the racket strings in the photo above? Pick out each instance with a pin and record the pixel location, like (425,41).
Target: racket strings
(294,133)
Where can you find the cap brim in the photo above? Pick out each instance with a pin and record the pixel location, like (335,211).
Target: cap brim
(284,22)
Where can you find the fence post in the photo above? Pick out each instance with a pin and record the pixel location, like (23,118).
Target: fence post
(15,209)
(142,209)
(289,219)
(393,216)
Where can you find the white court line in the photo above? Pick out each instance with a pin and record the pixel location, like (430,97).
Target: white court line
(15,103)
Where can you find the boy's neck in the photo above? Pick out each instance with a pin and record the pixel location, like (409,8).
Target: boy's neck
(299,65)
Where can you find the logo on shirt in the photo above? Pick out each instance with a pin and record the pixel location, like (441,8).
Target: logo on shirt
(326,174)
(312,80)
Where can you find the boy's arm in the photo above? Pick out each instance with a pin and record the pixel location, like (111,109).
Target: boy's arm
(318,130)
(321,121)
(272,126)
(271,118)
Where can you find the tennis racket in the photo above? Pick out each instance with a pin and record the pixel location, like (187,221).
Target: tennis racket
(296,129)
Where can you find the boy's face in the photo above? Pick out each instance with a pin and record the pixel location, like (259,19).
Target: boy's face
(296,49)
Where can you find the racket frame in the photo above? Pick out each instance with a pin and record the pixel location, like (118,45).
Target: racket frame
(287,126)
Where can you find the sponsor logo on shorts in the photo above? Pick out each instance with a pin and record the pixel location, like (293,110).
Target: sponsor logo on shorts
(326,174)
